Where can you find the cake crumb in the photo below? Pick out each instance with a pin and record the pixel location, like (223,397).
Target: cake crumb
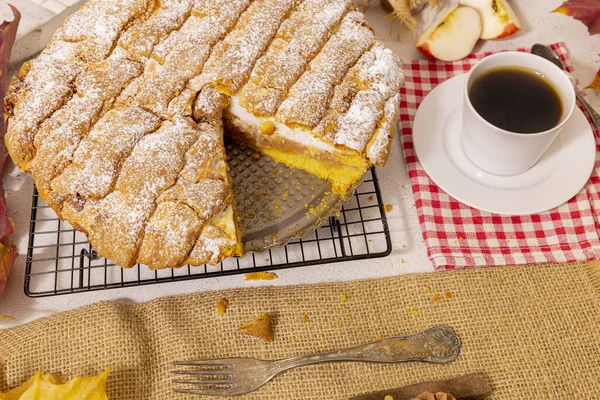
(222,306)
(304,318)
(448,295)
(388,208)
(267,259)
(403,261)
(343,297)
(260,276)
(260,328)
(371,198)
(414,312)
(256,156)
(427,289)
(380,337)
(435,298)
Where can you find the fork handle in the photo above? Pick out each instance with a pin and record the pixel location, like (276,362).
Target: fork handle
(435,345)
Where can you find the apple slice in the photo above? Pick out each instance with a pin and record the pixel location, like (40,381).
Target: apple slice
(498,18)
(452,36)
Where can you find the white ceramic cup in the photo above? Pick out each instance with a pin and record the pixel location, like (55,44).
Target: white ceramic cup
(499,151)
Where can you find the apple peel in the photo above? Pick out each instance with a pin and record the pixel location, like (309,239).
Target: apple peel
(51,386)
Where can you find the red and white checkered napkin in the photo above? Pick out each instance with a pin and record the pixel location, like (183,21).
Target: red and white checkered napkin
(457,235)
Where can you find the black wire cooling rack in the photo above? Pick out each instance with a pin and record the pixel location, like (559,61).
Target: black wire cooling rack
(60,260)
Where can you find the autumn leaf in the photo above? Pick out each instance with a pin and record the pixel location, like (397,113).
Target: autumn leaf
(50,386)
(586,11)
(595,83)
(7,259)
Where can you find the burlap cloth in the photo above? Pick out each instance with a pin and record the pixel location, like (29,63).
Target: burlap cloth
(533,331)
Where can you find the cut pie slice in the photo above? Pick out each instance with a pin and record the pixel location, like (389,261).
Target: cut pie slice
(120,121)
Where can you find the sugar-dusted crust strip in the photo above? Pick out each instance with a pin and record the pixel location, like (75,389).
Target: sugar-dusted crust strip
(378,148)
(308,98)
(182,55)
(46,84)
(358,102)
(59,136)
(298,40)
(233,58)
(152,168)
(98,160)
(175,226)
(139,40)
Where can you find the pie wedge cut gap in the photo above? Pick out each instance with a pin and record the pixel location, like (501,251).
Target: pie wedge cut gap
(120,120)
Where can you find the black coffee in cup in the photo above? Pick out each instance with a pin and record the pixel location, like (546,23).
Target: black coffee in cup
(517,99)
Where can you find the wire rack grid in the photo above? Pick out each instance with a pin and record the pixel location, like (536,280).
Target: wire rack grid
(61,261)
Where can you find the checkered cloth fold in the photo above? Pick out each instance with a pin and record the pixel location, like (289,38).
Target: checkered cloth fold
(457,235)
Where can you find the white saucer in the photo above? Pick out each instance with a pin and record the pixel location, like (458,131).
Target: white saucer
(559,175)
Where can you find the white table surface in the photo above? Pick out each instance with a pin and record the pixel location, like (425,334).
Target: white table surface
(409,253)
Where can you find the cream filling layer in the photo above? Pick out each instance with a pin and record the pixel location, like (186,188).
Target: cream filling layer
(296,135)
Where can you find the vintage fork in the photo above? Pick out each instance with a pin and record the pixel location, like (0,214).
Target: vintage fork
(235,376)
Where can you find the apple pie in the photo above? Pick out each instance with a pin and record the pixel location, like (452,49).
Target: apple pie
(120,120)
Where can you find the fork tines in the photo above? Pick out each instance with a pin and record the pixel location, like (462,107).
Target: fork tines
(202,377)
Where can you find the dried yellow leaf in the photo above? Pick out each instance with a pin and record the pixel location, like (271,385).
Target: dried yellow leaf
(260,276)
(50,386)
(222,306)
